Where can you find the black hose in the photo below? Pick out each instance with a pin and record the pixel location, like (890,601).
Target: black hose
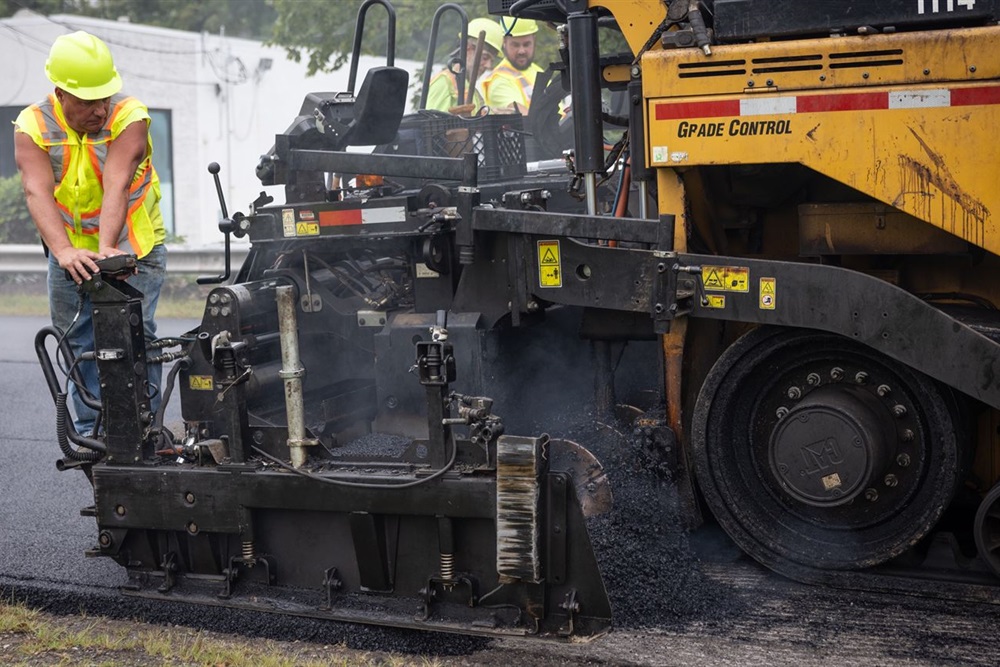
(63,430)
(183,362)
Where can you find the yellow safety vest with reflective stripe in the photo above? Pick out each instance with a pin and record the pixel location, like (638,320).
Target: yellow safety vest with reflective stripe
(442,92)
(523,81)
(78,167)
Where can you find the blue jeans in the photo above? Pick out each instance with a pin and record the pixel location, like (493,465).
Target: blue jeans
(65,300)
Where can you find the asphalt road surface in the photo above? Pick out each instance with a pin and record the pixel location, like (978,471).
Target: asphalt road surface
(751,617)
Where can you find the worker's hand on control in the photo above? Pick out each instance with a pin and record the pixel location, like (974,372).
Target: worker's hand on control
(78,262)
(109,251)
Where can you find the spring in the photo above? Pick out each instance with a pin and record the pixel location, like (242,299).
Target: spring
(248,551)
(448,567)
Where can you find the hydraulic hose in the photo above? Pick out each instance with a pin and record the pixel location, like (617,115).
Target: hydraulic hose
(63,435)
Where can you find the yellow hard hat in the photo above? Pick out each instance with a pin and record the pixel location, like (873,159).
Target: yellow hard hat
(494,33)
(518,27)
(81,64)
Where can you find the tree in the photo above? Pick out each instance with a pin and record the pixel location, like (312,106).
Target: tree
(15,221)
(240,18)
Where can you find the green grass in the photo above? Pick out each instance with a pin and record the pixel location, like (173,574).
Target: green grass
(30,637)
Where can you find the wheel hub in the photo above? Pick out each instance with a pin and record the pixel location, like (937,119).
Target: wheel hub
(827,449)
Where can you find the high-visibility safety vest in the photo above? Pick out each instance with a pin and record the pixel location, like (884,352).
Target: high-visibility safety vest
(508,84)
(78,167)
(442,92)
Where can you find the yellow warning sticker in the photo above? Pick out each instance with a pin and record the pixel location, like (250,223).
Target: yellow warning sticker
(549,264)
(726,278)
(715,300)
(307,229)
(767,293)
(201,382)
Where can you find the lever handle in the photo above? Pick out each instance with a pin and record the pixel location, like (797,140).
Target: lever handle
(225,226)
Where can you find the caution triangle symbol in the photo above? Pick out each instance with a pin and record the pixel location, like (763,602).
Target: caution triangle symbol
(549,257)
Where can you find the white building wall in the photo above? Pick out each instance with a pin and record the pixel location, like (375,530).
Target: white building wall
(226,105)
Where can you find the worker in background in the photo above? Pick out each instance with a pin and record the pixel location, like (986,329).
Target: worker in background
(442,93)
(512,81)
(85,157)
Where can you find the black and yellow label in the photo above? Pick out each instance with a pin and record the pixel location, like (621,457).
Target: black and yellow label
(549,264)
(726,278)
(768,293)
(715,301)
(307,229)
(201,383)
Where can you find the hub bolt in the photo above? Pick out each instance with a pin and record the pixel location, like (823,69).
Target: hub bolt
(907,435)
(813,379)
(794,393)
(192,527)
(891,480)
(781,412)
(837,373)
(883,390)
(104,539)
(871,495)
(189,498)
(861,377)
(899,410)
(120,510)
(903,460)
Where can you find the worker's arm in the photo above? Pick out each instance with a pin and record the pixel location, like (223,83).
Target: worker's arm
(39,188)
(125,154)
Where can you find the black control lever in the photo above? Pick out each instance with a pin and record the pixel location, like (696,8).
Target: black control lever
(226,226)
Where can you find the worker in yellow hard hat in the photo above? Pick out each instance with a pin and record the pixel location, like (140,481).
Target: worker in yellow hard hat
(512,81)
(442,92)
(85,157)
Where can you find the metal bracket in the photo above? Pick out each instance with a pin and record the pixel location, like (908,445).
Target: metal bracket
(331,584)
(572,607)
(231,573)
(430,593)
(169,565)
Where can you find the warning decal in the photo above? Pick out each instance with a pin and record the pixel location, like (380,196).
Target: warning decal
(726,278)
(715,300)
(549,264)
(200,382)
(287,222)
(767,293)
(307,229)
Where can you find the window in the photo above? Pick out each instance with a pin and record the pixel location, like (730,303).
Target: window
(161,129)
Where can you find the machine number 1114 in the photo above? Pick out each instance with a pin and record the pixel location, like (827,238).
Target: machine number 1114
(935,6)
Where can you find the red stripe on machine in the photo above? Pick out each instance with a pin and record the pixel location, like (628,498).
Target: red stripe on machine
(845,102)
(965,97)
(339,218)
(697,110)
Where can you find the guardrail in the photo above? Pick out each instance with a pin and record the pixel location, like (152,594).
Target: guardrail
(28,258)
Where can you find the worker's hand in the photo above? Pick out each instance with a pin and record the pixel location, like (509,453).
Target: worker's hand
(110,251)
(78,262)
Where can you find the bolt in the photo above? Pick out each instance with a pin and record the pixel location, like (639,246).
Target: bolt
(871,495)
(926,72)
(661,267)
(837,373)
(189,498)
(972,68)
(769,82)
(104,539)
(658,308)
(213,298)
(865,75)
(258,437)
(861,377)
(361,321)
(192,527)
(813,379)
(120,510)
(794,393)
(883,390)
(907,435)
(903,460)
(899,410)
(781,412)
(750,84)
(891,480)
(822,77)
